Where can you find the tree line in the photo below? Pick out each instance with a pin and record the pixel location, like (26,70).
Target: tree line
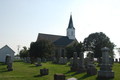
(94,42)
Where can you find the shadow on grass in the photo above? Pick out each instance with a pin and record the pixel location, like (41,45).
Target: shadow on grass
(68,72)
(39,75)
(18,60)
(67,66)
(85,76)
(3,70)
(33,66)
(97,78)
(1,63)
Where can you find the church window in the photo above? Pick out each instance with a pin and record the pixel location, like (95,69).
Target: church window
(62,53)
(56,53)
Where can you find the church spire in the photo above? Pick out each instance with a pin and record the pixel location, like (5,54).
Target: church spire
(71,29)
(70,22)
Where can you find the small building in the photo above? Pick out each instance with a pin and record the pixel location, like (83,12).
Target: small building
(61,42)
(4,51)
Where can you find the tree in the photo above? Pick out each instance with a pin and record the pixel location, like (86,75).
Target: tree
(96,41)
(42,48)
(76,47)
(24,52)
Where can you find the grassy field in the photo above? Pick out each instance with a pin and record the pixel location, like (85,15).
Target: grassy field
(27,71)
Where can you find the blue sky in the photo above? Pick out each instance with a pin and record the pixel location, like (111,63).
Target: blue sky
(22,20)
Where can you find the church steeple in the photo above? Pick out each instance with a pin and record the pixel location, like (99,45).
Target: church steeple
(71,29)
(70,22)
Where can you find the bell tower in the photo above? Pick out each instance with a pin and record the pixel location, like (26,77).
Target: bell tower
(71,29)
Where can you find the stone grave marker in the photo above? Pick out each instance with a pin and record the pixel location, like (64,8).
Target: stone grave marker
(28,59)
(25,60)
(44,71)
(10,66)
(45,61)
(54,60)
(81,67)
(86,62)
(75,63)
(91,70)
(72,78)
(105,69)
(71,61)
(38,62)
(61,60)
(116,60)
(59,77)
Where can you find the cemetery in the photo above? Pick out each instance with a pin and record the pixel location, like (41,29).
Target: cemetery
(47,70)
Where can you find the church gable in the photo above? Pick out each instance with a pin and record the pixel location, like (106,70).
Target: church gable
(56,40)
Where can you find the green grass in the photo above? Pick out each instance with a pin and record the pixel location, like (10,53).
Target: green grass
(27,71)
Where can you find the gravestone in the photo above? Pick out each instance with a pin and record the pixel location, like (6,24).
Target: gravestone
(28,59)
(54,60)
(10,66)
(75,64)
(71,61)
(6,59)
(105,69)
(86,62)
(25,60)
(32,60)
(59,77)
(45,61)
(91,70)
(44,71)
(64,61)
(72,78)
(38,62)
(116,60)
(99,62)
(119,60)
(61,60)
(81,67)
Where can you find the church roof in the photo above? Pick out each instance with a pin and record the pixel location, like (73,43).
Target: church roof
(70,23)
(56,39)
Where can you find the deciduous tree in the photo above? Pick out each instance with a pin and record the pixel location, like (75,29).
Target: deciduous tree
(96,41)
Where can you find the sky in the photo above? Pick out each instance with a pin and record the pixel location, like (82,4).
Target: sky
(22,20)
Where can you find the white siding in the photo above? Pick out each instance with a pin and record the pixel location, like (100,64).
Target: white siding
(4,51)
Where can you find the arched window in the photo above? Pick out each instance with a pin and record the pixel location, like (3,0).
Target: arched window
(62,53)
(56,53)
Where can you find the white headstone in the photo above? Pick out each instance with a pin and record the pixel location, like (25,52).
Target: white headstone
(45,61)
(72,78)
(61,60)
(25,60)
(28,59)
(38,62)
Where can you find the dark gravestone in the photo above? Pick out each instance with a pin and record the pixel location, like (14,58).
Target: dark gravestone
(75,64)
(44,71)
(59,77)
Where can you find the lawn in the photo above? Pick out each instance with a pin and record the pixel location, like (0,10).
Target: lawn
(27,71)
